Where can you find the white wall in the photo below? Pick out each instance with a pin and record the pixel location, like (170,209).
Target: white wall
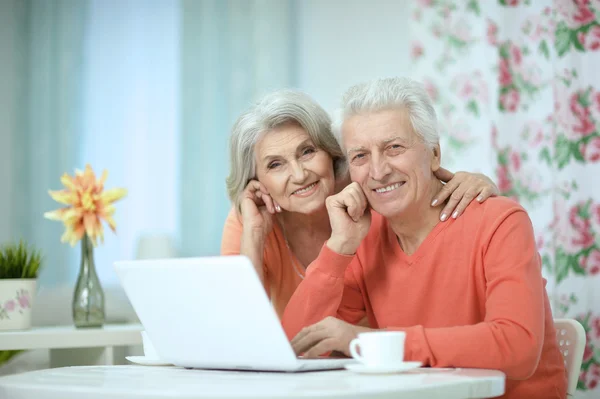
(342,42)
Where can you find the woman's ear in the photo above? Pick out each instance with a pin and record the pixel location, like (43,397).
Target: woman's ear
(436,159)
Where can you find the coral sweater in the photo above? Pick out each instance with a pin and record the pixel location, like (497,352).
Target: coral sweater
(472,295)
(281,268)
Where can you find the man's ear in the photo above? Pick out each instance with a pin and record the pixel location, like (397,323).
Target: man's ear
(436,160)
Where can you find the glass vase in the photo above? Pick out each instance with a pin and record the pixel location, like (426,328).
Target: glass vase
(88,299)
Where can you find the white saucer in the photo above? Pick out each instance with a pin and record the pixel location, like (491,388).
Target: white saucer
(396,368)
(147,361)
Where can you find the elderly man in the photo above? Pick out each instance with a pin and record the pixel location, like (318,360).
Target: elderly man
(468,292)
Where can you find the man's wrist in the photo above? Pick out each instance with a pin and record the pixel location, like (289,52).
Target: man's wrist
(342,247)
(363,329)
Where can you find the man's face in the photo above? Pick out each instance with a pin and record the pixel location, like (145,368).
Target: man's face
(390,161)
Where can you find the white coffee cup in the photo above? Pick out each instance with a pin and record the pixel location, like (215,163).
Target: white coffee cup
(380,348)
(149,350)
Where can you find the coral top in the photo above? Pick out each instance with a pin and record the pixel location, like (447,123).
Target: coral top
(282,270)
(471,296)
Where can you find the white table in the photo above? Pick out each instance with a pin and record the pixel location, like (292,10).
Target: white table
(74,346)
(133,382)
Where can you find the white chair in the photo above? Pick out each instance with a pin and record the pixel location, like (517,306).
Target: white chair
(571,343)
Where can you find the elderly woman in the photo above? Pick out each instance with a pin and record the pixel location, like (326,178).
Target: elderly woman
(285,162)
(467,293)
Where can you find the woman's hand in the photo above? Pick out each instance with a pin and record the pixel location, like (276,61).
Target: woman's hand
(462,188)
(257,208)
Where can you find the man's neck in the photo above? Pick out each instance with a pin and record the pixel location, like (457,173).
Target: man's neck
(414,226)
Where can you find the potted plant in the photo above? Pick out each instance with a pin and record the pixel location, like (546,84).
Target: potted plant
(19,267)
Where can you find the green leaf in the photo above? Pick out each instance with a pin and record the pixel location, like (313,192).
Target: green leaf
(562,38)
(586,140)
(545,156)
(473,5)
(597,353)
(574,265)
(457,145)
(524,193)
(504,50)
(544,50)
(456,42)
(576,152)
(584,98)
(562,151)
(586,321)
(506,89)
(561,265)
(547,262)
(566,81)
(573,298)
(525,87)
(584,213)
(575,40)
(19,261)
(472,106)
(502,157)
(5,356)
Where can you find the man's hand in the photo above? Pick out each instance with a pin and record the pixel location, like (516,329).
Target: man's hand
(350,219)
(330,334)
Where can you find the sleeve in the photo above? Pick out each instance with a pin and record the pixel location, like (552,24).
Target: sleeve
(231,242)
(511,336)
(232,234)
(329,289)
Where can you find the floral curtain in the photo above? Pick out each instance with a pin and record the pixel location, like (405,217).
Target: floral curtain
(518,97)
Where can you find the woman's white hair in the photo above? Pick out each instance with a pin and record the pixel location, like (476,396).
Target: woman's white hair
(390,93)
(273,110)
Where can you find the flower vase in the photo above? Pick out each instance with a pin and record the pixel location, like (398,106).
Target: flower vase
(88,299)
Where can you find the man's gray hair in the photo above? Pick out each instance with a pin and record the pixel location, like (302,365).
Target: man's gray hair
(274,110)
(390,93)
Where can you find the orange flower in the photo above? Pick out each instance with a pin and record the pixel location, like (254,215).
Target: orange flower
(88,205)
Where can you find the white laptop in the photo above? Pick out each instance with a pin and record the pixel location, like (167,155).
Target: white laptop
(212,313)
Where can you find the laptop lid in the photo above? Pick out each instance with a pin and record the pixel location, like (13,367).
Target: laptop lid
(207,312)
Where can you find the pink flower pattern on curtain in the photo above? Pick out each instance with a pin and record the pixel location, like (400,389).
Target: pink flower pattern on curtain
(518,96)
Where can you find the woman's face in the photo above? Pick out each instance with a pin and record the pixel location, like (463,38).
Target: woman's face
(298,175)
